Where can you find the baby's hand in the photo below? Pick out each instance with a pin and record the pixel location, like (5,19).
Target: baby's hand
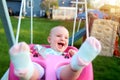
(71,52)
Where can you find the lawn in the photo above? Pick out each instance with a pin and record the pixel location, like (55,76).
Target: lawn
(105,68)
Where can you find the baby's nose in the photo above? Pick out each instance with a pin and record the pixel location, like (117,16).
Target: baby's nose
(62,38)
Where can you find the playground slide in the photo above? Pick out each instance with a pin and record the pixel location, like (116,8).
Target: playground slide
(77,35)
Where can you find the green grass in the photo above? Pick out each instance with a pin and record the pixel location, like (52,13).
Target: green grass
(105,68)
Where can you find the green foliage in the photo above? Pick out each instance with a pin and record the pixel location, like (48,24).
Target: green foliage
(48,4)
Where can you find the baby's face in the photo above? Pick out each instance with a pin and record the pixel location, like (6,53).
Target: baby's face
(58,39)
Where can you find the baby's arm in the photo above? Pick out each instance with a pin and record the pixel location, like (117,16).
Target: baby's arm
(40,50)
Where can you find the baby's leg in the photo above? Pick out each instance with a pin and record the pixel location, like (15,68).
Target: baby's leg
(87,52)
(23,66)
(66,73)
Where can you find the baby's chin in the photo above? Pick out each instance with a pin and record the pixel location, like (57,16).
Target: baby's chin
(60,50)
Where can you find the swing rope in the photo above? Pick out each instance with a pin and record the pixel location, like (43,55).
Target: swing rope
(31,22)
(86,16)
(74,25)
(79,23)
(19,22)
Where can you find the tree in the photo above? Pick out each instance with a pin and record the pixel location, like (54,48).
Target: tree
(47,5)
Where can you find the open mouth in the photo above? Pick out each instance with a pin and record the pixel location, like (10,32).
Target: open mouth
(60,45)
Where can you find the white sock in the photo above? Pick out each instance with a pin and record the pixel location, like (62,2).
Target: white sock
(87,52)
(20,57)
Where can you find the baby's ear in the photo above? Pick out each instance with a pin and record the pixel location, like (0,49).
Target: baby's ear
(49,39)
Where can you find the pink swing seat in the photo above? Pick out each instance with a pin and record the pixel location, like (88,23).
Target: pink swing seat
(51,63)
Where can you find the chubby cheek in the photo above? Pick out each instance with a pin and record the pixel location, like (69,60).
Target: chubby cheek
(53,45)
(66,44)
